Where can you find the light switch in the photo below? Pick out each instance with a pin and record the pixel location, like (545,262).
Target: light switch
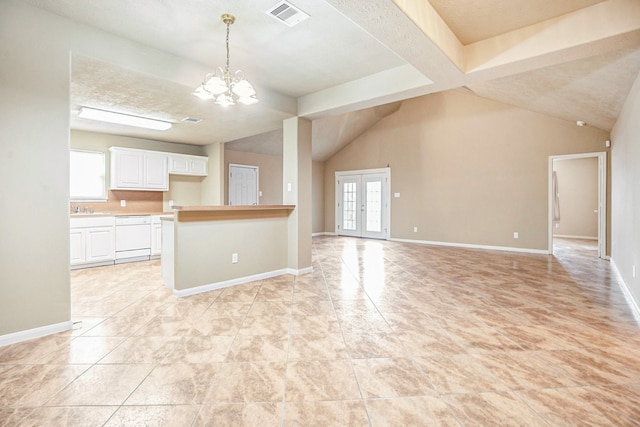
(288,186)
(396,194)
(123,203)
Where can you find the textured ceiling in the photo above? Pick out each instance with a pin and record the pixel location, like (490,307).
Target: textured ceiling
(573,59)
(475,20)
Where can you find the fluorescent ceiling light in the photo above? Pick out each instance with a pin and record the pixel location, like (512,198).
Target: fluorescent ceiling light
(123,119)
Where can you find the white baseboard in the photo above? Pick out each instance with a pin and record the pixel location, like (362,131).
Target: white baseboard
(470,246)
(635,306)
(30,334)
(239,281)
(323,233)
(566,236)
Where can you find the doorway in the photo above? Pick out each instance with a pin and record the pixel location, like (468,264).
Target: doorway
(243,185)
(600,208)
(362,203)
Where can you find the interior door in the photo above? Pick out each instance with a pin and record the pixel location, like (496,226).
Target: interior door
(362,205)
(243,185)
(350,206)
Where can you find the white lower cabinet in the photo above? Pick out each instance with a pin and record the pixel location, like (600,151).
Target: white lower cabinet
(156,236)
(92,241)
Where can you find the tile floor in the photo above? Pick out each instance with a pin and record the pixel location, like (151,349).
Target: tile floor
(381,333)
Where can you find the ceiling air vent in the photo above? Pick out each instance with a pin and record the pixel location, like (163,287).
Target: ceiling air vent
(191,120)
(287,13)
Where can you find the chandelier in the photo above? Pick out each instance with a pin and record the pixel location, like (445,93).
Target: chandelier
(221,85)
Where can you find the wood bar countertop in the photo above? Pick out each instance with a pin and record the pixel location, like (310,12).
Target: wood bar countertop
(217,213)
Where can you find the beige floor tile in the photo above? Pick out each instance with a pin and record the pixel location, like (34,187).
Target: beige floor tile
(267,348)
(206,349)
(315,325)
(265,325)
(141,350)
(240,414)
(82,350)
(368,345)
(33,350)
(215,324)
(363,323)
(75,416)
(317,347)
(34,385)
(459,374)
(429,342)
(390,378)
(174,384)
(523,370)
(499,335)
(574,406)
(410,411)
(248,382)
(118,326)
(154,416)
(492,409)
(102,385)
(321,380)
(326,414)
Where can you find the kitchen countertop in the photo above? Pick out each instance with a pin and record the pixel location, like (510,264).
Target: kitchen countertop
(209,213)
(97,214)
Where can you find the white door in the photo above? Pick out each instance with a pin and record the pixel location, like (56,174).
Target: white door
(363,204)
(243,185)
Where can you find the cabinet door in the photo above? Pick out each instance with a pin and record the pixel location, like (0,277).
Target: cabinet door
(128,170)
(77,255)
(156,174)
(156,239)
(198,166)
(100,244)
(179,164)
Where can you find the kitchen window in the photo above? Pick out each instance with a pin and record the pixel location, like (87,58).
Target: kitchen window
(87,180)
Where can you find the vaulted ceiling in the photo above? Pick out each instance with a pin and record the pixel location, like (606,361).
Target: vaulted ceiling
(572,59)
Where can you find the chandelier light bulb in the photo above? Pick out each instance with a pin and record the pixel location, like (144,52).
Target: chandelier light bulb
(222,86)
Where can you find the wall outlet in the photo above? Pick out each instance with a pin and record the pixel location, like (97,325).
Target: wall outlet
(515,235)
(260,193)
(123,203)
(415,229)
(396,195)
(234,258)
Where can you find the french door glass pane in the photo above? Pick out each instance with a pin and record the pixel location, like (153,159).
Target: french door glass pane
(374,206)
(349,206)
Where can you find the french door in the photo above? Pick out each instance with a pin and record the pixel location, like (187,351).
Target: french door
(362,203)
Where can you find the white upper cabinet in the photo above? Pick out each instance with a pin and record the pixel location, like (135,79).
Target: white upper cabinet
(133,169)
(184,164)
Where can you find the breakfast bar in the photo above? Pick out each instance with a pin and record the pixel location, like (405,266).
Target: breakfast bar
(211,247)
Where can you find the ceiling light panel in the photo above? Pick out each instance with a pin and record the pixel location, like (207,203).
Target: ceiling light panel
(122,119)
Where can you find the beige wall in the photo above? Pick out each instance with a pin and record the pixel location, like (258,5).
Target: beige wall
(34,177)
(625,140)
(578,195)
(317,197)
(270,170)
(203,250)
(183,190)
(468,170)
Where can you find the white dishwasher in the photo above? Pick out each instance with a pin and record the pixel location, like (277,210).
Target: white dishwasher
(133,238)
